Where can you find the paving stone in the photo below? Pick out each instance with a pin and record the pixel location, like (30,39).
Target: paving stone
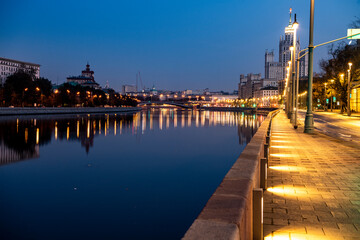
(320,192)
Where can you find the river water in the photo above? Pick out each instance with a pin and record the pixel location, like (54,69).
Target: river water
(144,175)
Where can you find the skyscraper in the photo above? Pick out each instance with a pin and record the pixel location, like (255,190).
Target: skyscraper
(277,70)
(273,70)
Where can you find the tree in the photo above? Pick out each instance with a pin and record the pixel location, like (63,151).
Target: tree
(19,89)
(336,69)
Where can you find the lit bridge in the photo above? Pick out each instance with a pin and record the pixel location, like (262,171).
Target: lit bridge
(164,104)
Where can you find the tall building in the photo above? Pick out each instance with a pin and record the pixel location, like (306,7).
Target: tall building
(86,79)
(246,85)
(10,66)
(277,70)
(284,50)
(273,70)
(128,89)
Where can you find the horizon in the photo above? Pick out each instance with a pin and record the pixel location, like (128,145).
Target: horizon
(175,45)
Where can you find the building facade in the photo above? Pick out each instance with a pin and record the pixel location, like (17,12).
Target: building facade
(10,66)
(273,70)
(247,85)
(128,89)
(267,95)
(86,79)
(355,98)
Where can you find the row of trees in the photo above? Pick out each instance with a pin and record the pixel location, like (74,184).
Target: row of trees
(23,90)
(333,82)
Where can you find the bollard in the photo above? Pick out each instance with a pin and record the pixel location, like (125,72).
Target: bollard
(263,173)
(258,204)
(269,129)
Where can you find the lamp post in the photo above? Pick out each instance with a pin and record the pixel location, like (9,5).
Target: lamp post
(348,90)
(291,85)
(309,119)
(287,90)
(295,26)
(341,75)
(39,90)
(325,98)
(331,103)
(297,85)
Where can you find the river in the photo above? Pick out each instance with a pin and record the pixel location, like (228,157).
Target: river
(144,175)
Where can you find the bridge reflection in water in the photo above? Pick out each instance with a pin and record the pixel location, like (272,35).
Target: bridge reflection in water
(20,138)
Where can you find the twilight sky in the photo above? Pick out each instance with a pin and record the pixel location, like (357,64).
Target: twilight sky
(176,45)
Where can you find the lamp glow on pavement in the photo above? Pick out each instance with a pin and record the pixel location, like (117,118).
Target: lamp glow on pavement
(296,234)
(280,146)
(288,168)
(289,191)
(280,236)
(282,155)
(280,141)
(279,136)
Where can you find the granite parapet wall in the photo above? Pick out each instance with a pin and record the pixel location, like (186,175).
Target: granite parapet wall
(228,214)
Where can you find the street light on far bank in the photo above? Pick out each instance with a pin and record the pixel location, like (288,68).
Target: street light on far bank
(348,90)
(341,75)
(325,98)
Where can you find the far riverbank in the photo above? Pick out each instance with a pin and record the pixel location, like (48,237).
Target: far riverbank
(63,110)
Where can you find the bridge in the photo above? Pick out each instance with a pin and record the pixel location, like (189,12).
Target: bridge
(165,104)
(158,104)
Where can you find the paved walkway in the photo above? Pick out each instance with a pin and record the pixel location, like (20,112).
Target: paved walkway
(313,186)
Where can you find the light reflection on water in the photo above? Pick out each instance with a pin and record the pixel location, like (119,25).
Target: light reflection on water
(157,165)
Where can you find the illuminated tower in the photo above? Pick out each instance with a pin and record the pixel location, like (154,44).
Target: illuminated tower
(87,72)
(284,50)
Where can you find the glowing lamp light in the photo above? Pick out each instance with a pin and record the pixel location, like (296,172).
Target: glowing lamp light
(295,25)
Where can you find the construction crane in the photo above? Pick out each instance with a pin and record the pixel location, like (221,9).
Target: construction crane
(138,78)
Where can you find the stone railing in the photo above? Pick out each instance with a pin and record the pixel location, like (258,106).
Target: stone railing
(235,211)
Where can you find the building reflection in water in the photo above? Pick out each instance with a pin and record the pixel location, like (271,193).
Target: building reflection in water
(20,138)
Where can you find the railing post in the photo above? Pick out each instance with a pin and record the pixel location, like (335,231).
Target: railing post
(258,204)
(266,151)
(263,173)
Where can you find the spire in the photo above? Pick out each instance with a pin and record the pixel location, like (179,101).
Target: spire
(290,22)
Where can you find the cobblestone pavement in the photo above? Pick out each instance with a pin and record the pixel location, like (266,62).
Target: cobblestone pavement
(313,186)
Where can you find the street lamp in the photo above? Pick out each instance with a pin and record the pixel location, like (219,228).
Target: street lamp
(331,103)
(309,119)
(297,84)
(287,89)
(293,68)
(348,90)
(291,106)
(325,98)
(39,90)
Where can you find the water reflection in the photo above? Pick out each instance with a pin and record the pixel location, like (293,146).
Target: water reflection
(20,138)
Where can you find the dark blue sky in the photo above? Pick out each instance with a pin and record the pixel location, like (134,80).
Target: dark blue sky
(188,44)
